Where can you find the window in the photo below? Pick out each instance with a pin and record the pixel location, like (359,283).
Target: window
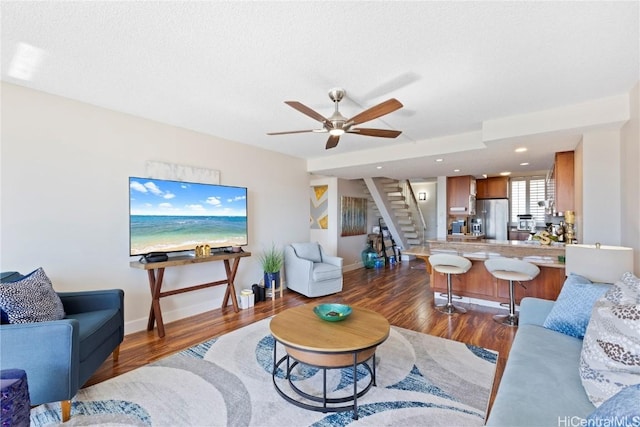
(526,192)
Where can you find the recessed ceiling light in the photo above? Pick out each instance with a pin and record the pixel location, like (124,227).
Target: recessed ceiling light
(521,149)
(456,170)
(378,167)
(439,160)
(524,164)
(505,173)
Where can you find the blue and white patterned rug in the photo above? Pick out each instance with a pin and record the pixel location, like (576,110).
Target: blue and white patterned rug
(421,380)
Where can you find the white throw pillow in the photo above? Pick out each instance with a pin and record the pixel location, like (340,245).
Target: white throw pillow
(610,358)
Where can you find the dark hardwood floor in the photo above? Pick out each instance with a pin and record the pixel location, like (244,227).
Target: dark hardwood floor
(401,294)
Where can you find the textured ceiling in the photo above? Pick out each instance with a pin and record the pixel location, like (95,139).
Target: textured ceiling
(225,68)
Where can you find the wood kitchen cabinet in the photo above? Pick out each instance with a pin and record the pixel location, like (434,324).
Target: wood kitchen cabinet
(459,190)
(562,181)
(493,188)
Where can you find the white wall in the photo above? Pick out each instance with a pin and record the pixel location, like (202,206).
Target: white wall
(64,199)
(441,207)
(578,178)
(428,207)
(630,171)
(601,180)
(350,247)
(328,238)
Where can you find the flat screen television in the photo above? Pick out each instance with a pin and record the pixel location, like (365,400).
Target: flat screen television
(173,216)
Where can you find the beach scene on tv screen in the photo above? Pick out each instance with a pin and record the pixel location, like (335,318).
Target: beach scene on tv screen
(168,216)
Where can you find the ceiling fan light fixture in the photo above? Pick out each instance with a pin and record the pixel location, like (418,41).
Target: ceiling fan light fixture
(337,124)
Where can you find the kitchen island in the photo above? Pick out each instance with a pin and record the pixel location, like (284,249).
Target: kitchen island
(478,286)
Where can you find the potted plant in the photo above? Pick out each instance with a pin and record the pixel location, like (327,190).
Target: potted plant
(272,261)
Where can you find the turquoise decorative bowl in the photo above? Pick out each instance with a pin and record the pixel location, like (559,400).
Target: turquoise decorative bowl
(332,312)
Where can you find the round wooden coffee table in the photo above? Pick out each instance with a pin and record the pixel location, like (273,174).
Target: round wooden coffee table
(326,345)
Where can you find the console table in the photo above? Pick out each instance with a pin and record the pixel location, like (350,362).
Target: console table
(155,271)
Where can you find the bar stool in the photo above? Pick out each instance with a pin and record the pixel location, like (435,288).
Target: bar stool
(511,269)
(449,264)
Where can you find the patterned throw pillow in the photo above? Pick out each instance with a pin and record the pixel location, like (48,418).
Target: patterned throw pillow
(31,299)
(572,310)
(610,357)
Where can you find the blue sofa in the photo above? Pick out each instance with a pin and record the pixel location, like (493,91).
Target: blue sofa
(541,383)
(60,356)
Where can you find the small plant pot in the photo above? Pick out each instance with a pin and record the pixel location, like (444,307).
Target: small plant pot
(270,278)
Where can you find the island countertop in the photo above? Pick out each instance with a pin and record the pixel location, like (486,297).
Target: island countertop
(481,249)
(479,285)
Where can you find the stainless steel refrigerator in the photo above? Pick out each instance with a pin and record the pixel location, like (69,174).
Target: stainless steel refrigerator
(494,214)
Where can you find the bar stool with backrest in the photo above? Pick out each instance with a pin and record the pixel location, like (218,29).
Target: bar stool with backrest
(449,264)
(511,269)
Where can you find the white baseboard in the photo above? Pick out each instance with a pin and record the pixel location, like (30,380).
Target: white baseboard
(173,315)
(353,266)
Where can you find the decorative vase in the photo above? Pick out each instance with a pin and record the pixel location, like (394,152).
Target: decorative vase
(269,278)
(369,256)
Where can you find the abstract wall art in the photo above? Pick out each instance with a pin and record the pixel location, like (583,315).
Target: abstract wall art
(319,219)
(353,216)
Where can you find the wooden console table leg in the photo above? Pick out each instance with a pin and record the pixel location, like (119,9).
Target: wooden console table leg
(155,313)
(231,291)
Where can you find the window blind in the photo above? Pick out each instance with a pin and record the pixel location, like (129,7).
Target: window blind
(526,192)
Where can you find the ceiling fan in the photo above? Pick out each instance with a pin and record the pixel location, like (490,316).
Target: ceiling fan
(337,124)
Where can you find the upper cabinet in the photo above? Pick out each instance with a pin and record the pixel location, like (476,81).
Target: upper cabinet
(461,195)
(561,181)
(493,188)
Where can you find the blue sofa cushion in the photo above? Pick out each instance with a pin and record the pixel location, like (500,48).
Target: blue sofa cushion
(622,409)
(572,310)
(7,277)
(31,299)
(541,383)
(10,276)
(95,327)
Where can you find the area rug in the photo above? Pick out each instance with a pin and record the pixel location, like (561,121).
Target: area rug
(421,380)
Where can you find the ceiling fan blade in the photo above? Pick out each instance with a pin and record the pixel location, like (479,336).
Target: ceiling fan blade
(291,131)
(332,141)
(306,110)
(376,111)
(383,133)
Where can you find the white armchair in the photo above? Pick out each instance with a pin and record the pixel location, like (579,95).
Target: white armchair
(311,272)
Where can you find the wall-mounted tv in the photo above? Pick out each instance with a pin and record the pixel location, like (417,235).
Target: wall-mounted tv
(172,216)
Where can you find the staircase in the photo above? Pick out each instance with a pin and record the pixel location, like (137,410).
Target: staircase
(393,201)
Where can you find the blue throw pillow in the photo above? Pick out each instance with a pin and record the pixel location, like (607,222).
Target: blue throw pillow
(31,299)
(571,311)
(622,409)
